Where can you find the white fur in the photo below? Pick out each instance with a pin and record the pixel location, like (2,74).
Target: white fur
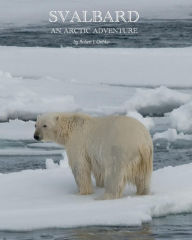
(116,149)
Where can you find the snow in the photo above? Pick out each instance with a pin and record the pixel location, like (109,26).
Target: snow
(171,135)
(181,118)
(147,121)
(36,12)
(34,199)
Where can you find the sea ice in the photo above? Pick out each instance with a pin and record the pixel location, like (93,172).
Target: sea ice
(171,135)
(147,121)
(156,101)
(181,118)
(34,199)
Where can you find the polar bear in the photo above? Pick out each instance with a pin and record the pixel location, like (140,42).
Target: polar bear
(115,149)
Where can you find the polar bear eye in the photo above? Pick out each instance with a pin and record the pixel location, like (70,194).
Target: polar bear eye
(44,126)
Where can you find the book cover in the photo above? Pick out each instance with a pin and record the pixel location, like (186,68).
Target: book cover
(95,119)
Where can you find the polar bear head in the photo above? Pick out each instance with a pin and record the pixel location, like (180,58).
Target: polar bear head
(57,127)
(45,127)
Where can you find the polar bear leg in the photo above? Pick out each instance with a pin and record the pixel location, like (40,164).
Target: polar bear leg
(142,185)
(99,180)
(115,181)
(99,175)
(82,175)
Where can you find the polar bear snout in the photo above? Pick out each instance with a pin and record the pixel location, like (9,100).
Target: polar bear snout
(36,137)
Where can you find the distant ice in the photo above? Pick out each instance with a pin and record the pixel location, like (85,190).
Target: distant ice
(149,102)
(26,98)
(100,66)
(17,129)
(147,121)
(18,100)
(89,84)
(171,135)
(35,199)
(156,101)
(29,88)
(181,118)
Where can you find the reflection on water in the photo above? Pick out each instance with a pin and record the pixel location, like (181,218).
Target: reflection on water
(104,233)
(165,154)
(170,227)
(89,233)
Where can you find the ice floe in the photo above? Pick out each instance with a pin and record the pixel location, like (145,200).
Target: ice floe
(147,121)
(26,101)
(181,118)
(17,129)
(171,135)
(20,101)
(34,199)
(156,101)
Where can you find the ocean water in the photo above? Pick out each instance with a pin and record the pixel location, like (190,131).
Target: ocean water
(169,227)
(150,33)
(13,158)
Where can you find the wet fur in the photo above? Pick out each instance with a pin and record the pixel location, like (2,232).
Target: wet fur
(117,150)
